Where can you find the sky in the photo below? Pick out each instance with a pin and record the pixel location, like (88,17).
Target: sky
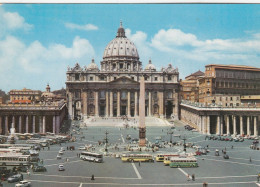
(39,41)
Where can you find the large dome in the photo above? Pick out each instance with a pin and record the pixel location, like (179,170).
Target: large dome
(121,46)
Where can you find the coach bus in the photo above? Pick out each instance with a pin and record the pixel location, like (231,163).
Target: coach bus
(8,150)
(137,158)
(14,160)
(160,157)
(181,162)
(93,157)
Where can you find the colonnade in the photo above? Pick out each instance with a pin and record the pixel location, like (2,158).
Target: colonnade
(30,123)
(222,124)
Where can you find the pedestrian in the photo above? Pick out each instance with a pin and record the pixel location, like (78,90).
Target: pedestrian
(48,147)
(92,177)
(232,147)
(67,148)
(258,178)
(139,163)
(193,177)
(188,177)
(250,160)
(21,176)
(43,148)
(28,173)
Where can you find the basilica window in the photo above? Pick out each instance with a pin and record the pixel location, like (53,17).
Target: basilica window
(123,95)
(114,78)
(145,78)
(155,95)
(169,95)
(121,66)
(76,77)
(102,78)
(155,78)
(91,78)
(169,78)
(102,94)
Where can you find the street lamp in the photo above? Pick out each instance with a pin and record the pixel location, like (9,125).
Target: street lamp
(106,141)
(170,133)
(184,144)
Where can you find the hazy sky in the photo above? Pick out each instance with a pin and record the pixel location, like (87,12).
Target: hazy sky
(38,42)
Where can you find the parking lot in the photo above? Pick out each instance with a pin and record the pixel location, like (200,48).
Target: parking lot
(238,170)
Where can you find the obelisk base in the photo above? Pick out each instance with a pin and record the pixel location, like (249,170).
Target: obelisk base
(142,140)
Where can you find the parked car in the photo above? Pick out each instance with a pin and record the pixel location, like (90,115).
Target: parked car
(61,167)
(61,152)
(15,178)
(58,157)
(225,156)
(39,169)
(23,184)
(62,148)
(21,168)
(82,148)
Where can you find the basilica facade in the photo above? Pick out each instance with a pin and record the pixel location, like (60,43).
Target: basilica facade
(113,90)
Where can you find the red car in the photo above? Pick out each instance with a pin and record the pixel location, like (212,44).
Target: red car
(198,153)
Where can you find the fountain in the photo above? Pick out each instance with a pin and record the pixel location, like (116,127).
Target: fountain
(12,137)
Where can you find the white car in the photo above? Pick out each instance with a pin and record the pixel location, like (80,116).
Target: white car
(62,148)
(82,148)
(61,167)
(61,152)
(23,184)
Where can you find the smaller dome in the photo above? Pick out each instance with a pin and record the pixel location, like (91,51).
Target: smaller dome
(150,66)
(93,65)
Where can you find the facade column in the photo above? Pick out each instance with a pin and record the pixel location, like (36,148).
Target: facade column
(53,124)
(228,126)
(1,129)
(111,104)
(20,124)
(136,104)
(241,126)
(176,107)
(40,124)
(128,104)
(118,103)
(96,104)
(149,103)
(107,104)
(248,126)
(208,125)
(27,124)
(33,127)
(218,125)
(43,125)
(255,126)
(234,125)
(6,125)
(71,116)
(161,104)
(84,103)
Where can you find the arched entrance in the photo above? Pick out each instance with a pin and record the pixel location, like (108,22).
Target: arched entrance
(169,107)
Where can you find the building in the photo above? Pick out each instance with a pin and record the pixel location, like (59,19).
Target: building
(113,90)
(24,96)
(190,86)
(224,84)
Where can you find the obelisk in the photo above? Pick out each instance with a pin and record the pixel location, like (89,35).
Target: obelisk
(142,141)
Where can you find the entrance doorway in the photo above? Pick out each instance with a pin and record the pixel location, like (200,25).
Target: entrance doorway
(123,110)
(102,110)
(169,107)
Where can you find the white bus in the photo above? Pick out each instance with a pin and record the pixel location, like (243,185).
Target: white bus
(14,160)
(93,157)
(8,150)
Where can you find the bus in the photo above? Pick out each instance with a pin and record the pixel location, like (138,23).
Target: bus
(34,155)
(14,160)
(93,157)
(137,158)
(8,150)
(15,145)
(160,157)
(168,158)
(181,162)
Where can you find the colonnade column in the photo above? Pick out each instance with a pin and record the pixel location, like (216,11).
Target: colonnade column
(53,124)
(118,103)
(228,127)
(40,124)
(1,129)
(107,104)
(248,126)
(57,124)
(255,126)
(13,122)
(33,127)
(161,104)
(234,125)
(20,124)
(208,124)
(44,125)
(241,126)
(203,125)
(96,104)
(128,104)
(136,104)
(111,104)
(149,103)
(27,124)
(221,124)
(218,126)
(6,125)
(71,116)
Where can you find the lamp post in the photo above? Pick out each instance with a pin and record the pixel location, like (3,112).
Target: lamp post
(106,141)
(170,133)
(184,144)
